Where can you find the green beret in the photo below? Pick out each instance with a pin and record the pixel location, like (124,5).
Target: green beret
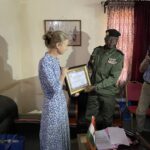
(112,32)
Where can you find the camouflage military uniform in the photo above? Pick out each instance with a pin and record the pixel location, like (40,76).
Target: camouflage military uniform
(105,65)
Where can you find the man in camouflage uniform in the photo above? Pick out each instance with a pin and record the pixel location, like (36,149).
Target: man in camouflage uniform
(105,64)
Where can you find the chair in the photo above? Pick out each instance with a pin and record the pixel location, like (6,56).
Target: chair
(8,113)
(133,92)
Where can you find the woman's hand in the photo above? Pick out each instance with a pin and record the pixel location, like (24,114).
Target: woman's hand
(64,71)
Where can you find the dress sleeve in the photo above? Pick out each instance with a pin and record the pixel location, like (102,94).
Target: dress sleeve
(50,78)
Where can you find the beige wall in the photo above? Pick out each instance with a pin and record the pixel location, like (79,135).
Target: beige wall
(21,45)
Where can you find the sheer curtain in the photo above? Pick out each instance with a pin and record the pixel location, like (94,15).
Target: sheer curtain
(121,17)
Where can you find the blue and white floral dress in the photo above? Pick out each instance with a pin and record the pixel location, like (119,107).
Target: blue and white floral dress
(54,129)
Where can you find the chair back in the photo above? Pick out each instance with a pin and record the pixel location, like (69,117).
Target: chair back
(133,90)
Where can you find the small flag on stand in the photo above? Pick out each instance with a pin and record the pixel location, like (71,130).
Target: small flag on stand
(91,132)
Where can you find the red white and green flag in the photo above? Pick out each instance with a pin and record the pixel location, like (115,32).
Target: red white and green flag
(91,131)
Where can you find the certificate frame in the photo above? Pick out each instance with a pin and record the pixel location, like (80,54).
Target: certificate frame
(77,79)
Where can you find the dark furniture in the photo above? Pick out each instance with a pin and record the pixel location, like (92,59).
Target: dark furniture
(8,112)
(73,112)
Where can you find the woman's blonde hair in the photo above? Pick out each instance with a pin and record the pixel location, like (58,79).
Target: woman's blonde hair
(51,38)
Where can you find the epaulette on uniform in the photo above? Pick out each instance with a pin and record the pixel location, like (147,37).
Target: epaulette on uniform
(98,47)
(120,51)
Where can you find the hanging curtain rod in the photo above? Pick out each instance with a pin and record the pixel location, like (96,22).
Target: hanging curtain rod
(119,2)
(123,1)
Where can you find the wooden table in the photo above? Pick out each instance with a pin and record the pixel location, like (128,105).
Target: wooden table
(28,118)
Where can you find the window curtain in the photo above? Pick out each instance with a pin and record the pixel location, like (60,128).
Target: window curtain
(121,17)
(141,36)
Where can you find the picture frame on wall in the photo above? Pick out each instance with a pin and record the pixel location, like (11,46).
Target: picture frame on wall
(71,27)
(77,79)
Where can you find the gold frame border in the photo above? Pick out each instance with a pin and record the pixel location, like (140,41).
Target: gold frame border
(84,68)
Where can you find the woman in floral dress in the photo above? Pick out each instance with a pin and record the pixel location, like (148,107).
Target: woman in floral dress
(54,129)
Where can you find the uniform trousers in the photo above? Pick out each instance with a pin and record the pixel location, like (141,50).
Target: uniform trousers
(143,106)
(102,107)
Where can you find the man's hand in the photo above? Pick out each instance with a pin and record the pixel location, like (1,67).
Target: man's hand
(89,88)
(76,94)
(121,82)
(147,57)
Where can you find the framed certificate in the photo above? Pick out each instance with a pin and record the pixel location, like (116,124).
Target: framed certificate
(77,79)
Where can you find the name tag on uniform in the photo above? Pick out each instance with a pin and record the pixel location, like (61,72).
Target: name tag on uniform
(112,61)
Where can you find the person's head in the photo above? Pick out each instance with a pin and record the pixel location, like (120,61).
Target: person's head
(56,40)
(111,38)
